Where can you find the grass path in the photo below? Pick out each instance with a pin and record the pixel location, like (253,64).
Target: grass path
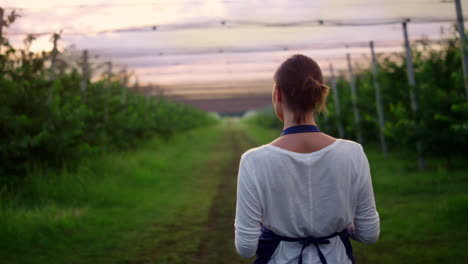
(218,241)
(174,202)
(215,234)
(117,207)
(423,214)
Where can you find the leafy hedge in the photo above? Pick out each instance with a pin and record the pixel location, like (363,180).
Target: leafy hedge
(443,115)
(40,132)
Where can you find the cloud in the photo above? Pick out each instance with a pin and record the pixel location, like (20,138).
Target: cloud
(141,50)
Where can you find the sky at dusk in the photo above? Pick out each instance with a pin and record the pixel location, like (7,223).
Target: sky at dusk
(192,43)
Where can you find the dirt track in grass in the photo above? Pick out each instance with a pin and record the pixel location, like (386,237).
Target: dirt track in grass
(218,242)
(213,236)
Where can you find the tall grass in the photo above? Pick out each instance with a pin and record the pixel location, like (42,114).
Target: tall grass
(152,204)
(423,213)
(98,213)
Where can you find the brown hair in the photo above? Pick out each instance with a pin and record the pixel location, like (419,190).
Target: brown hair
(300,80)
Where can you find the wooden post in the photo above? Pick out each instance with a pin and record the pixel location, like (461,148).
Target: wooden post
(1,28)
(410,70)
(84,71)
(461,31)
(54,57)
(108,90)
(412,91)
(357,118)
(378,100)
(136,87)
(148,93)
(124,85)
(53,62)
(336,101)
(157,93)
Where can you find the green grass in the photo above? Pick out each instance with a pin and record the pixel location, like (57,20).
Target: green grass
(153,205)
(114,208)
(424,214)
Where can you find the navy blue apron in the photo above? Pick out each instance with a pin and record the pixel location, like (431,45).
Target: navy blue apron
(269,241)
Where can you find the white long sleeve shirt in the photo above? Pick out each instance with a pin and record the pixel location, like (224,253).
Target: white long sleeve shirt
(299,195)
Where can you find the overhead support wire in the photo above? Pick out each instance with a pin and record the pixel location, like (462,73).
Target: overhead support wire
(224,23)
(278,48)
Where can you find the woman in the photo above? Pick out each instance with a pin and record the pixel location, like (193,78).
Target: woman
(300,197)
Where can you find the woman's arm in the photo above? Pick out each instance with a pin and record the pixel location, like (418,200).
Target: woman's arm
(366,220)
(248,213)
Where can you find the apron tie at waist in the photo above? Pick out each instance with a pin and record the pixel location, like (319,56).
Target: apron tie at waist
(316,241)
(269,241)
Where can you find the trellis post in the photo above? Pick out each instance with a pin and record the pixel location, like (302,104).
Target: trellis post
(336,101)
(378,100)
(357,118)
(412,92)
(461,31)
(1,28)
(148,93)
(124,85)
(53,62)
(108,90)
(84,72)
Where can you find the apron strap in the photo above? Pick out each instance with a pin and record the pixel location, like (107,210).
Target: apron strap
(316,242)
(300,129)
(269,241)
(344,236)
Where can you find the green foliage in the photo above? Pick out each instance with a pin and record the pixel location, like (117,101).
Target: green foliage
(51,124)
(116,206)
(436,200)
(265,118)
(442,120)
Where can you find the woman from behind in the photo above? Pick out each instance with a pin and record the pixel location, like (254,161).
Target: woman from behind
(302,196)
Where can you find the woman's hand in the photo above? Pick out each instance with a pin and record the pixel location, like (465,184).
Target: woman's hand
(351,229)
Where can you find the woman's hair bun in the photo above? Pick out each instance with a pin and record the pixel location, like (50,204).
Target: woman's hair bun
(300,80)
(311,84)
